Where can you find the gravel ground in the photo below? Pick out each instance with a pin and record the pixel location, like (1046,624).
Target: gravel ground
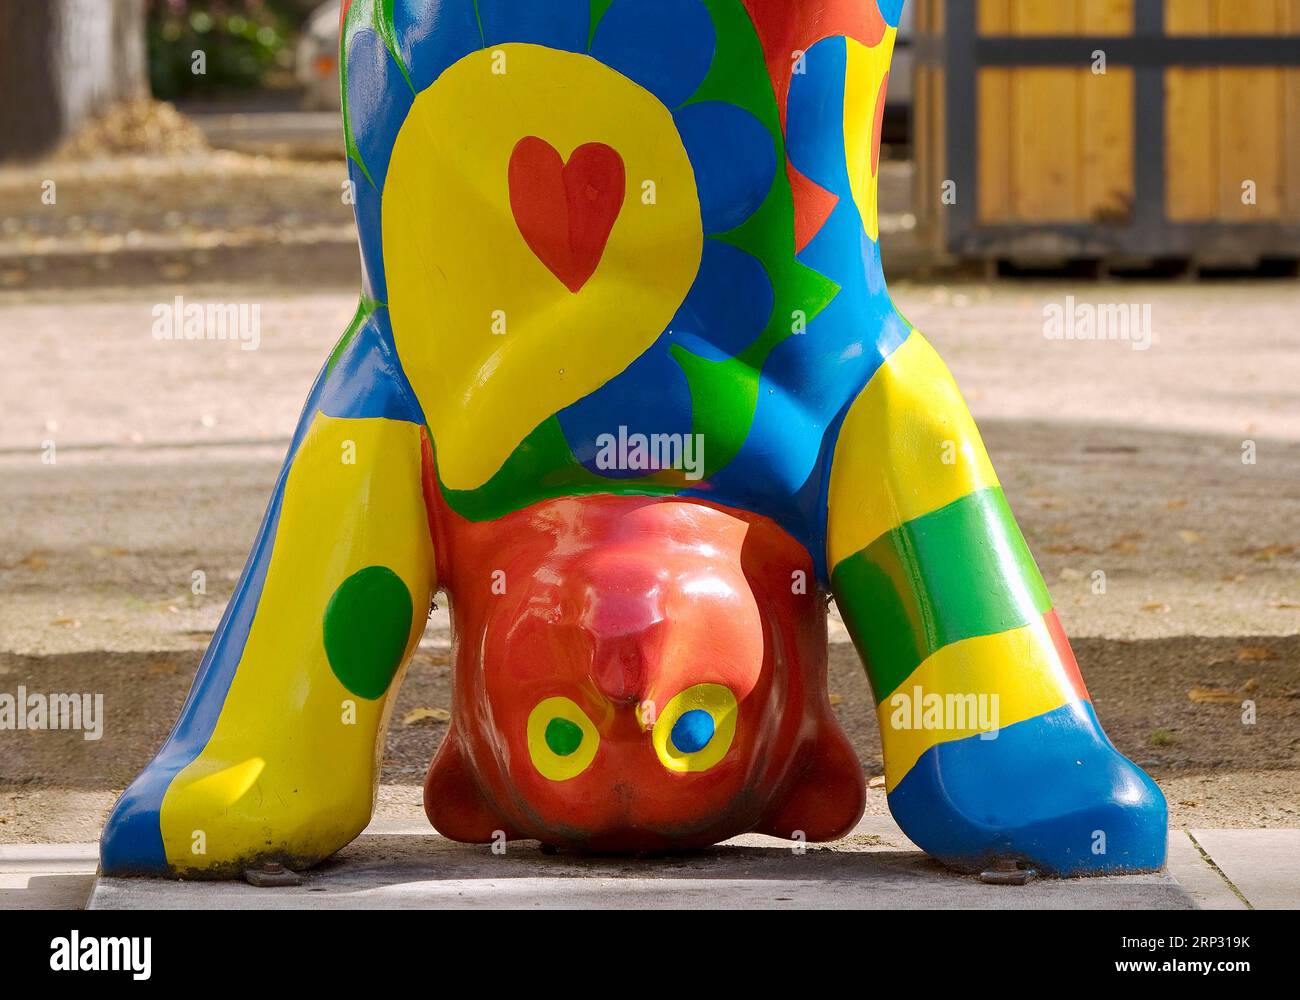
(1118,461)
(201,200)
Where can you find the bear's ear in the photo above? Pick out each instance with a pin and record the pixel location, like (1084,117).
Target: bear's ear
(827,793)
(453,801)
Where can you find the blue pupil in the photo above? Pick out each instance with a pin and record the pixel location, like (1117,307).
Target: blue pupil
(692,731)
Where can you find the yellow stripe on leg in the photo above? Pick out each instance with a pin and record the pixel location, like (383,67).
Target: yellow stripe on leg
(908,446)
(964,687)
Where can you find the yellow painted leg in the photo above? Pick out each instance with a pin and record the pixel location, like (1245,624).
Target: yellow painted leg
(290,770)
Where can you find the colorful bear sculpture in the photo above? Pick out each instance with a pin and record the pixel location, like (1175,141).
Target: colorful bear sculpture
(625,382)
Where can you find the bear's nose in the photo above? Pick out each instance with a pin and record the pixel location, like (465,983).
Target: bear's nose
(625,622)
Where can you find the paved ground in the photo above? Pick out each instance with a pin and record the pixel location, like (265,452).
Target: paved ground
(47,876)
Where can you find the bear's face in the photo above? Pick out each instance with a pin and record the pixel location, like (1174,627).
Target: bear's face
(634,674)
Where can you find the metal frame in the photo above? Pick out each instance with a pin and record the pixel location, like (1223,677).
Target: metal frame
(1148,233)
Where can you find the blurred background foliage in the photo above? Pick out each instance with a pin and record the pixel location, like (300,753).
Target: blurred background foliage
(246,44)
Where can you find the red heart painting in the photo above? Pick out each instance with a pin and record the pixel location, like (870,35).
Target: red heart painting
(566,211)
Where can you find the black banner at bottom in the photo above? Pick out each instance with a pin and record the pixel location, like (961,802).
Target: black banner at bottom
(967,948)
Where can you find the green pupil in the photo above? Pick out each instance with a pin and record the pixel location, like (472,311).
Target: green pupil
(563,737)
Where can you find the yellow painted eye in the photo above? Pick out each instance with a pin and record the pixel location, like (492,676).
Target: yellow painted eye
(561,739)
(696,728)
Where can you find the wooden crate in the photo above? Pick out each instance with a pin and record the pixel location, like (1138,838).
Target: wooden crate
(1186,147)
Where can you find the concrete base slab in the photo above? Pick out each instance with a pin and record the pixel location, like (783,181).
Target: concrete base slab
(403,867)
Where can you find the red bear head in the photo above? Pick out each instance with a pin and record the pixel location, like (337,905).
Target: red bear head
(637,674)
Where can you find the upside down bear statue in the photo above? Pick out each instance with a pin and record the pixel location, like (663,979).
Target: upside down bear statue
(626,384)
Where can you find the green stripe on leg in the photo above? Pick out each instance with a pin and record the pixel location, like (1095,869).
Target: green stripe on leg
(960,571)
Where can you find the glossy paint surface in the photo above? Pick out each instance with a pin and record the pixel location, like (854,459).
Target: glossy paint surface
(626,617)
(626,382)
